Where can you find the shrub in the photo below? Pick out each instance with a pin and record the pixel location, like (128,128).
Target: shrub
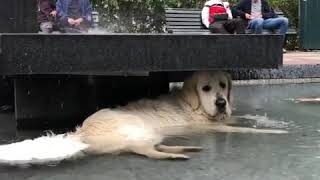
(290,8)
(137,15)
(147,16)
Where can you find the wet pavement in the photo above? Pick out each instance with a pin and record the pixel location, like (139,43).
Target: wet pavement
(227,156)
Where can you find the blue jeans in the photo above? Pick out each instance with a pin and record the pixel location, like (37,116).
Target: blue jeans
(259,24)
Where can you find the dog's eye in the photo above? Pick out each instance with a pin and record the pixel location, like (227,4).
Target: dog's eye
(222,85)
(206,88)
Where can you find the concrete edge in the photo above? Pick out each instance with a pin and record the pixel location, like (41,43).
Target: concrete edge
(261,82)
(276,81)
(303,71)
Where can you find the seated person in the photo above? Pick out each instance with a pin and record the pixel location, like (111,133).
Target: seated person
(75,16)
(216,15)
(258,15)
(46,15)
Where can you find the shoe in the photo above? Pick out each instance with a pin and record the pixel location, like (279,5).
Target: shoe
(284,50)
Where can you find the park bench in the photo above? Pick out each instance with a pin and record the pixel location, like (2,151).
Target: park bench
(187,20)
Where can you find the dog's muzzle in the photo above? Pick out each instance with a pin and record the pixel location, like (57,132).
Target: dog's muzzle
(221,104)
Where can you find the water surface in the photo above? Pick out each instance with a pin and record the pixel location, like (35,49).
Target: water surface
(293,156)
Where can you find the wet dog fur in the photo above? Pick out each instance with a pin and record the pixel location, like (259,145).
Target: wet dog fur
(202,105)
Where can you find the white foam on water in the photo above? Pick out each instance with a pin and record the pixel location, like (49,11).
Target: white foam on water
(264,121)
(98,31)
(41,150)
(304,100)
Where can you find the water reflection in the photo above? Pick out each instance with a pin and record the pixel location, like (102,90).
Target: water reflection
(315,100)
(226,156)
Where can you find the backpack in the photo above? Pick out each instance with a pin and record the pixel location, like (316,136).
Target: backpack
(217,12)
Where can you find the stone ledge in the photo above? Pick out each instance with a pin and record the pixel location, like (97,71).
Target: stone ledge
(285,72)
(276,81)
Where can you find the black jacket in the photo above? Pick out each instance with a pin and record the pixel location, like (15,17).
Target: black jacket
(45,7)
(244,6)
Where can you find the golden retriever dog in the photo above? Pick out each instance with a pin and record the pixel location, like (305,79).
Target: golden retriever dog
(202,105)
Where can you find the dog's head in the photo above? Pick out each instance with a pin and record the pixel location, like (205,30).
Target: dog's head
(210,92)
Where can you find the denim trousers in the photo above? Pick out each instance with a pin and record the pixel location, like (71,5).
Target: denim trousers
(258,24)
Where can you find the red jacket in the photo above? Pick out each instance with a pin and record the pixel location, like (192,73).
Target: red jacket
(212,7)
(215,10)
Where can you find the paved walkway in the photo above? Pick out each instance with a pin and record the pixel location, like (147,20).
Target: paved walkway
(297,57)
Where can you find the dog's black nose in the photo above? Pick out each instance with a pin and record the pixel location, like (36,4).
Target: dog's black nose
(221,103)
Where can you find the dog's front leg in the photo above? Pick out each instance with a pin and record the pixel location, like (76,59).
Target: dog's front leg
(151,152)
(225,128)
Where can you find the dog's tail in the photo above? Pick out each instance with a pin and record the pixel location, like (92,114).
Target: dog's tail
(42,150)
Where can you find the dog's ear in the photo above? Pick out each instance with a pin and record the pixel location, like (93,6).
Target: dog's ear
(190,93)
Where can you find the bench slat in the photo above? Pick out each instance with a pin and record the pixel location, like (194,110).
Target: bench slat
(191,33)
(185,9)
(183,12)
(184,23)
(184,19)
(185,27)
(292,31)
(183,16)
(189,30)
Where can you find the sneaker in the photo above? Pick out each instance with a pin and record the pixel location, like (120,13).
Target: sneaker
(284,50)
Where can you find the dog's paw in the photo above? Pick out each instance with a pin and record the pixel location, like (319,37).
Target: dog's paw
(274,131)
(180,157)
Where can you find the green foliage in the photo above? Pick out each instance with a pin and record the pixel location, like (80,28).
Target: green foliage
(148,15)
(137,15)
(130,15)
(290,8)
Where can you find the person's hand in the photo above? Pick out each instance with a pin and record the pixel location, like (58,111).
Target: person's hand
(53,13)
(248,16)
(71,21)
(77,22)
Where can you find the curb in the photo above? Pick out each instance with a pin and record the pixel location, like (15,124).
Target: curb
(284,72)
(276,81)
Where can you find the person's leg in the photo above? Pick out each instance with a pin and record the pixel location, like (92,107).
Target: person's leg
(72,30)
(218,28)
(56,26)
(62,25)
(84,27)
(235,25)
(229,26)
(240,26)
(280,23)
(66,28)
(257,25)
(46,27)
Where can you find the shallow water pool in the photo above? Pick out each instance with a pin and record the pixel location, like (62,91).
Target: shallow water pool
(227,156)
